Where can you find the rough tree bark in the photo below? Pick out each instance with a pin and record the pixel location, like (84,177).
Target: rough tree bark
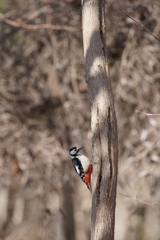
(103,121)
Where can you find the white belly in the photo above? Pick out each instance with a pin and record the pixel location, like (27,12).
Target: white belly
(85,162)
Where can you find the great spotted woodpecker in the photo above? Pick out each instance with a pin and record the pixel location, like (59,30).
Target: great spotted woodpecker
(82,165)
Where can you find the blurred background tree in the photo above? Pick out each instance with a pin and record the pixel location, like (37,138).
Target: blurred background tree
(44,110)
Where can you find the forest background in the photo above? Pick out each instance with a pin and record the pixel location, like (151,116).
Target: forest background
(44,110)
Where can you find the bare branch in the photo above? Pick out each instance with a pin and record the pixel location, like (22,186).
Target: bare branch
(148,114)
(35,27)
(141,24)
(139,200)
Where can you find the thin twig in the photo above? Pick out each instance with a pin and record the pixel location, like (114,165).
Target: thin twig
(139,200)
(141,24)
(148,114)
(35,27)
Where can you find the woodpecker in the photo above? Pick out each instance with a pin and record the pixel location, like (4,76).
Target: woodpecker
(82,165)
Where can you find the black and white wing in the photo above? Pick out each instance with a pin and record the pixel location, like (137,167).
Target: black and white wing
(78,168)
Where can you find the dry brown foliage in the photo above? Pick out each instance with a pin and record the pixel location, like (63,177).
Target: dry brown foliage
(44,110)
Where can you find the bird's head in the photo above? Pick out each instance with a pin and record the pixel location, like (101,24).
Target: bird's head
(74,151)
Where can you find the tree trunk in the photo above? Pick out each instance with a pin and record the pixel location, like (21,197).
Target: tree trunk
(103,121)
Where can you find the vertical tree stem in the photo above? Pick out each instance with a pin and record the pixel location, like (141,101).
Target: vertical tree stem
(103,121)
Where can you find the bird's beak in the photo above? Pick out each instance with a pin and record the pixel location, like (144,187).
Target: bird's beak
(80,149)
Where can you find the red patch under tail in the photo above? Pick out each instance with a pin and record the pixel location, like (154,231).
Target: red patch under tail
(88,178)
